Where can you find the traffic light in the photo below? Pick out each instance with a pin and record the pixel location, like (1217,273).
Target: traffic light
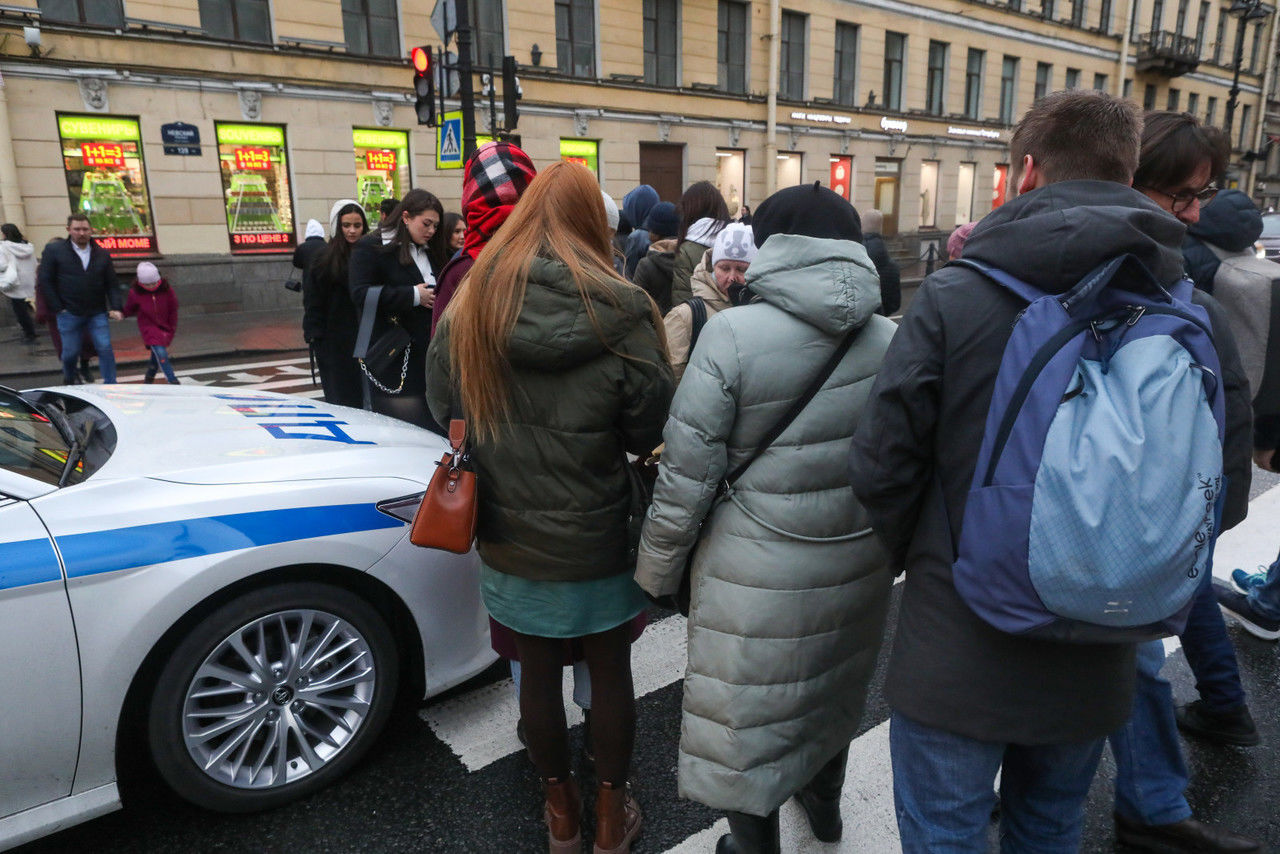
(424,85)
(510,93)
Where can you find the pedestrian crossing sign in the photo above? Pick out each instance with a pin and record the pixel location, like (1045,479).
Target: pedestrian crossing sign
(449,141)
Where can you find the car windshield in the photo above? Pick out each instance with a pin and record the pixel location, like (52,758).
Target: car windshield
(36,434)
(1271,226)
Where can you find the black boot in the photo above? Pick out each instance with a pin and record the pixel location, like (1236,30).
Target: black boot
(751,834)
(820,799)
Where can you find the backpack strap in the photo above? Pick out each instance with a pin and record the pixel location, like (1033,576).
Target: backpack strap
(698,307)
(1019,288)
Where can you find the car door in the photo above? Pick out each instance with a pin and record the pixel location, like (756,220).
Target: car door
(39,666)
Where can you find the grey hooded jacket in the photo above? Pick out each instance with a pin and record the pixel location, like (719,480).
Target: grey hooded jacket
(783,633)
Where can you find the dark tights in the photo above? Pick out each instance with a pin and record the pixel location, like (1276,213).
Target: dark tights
(613,705)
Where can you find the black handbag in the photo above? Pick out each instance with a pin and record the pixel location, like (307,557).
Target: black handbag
(382,359)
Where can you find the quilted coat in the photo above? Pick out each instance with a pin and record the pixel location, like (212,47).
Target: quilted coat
(783,632)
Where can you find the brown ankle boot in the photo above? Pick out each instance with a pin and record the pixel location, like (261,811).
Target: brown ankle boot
(563,814)
(617,819)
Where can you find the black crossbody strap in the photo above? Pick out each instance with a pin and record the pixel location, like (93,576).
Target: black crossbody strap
(796,408)
(366,321)
(698,310)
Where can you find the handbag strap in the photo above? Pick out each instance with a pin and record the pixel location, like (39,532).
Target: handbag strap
(796,408)
(371,297)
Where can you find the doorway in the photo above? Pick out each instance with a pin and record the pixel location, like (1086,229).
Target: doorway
(888,174)
(662,167)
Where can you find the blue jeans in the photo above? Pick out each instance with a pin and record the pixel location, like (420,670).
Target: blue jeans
(1209,651)
(942,789)
(1150,773)
(71,327)
(1266,599)
(160,362)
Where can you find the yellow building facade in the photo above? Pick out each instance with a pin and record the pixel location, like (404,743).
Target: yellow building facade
(207,132)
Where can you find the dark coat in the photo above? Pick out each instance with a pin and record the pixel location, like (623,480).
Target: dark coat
(890,277)
(307,251)
(914,452)
(157,313)
(1230,222)
(654,272)
(69,286)
(554,492)
(447,285)
(372,263)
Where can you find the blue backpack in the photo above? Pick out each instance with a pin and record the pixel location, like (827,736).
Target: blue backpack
(1094,504)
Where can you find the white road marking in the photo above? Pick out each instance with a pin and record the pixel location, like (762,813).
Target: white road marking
(225,368)
(480,726)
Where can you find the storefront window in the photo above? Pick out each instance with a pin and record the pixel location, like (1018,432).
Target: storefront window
(842,175)
(790,168)
(382,167)
(106,179)
(999,185)
(929,194)
(731,173)
(964,193)
(583,151)
(255,181)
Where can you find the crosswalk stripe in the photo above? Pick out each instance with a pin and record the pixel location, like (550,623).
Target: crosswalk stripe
(224,369)
(480,726)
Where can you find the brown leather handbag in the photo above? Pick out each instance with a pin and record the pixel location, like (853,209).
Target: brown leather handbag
(446,518)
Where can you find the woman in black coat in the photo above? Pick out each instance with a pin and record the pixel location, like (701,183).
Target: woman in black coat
(329,318)
(402,257)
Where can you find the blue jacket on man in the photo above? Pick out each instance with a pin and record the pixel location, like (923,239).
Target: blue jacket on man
(69,286)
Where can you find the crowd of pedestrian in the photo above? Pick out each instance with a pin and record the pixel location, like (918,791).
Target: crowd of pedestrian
(807,449)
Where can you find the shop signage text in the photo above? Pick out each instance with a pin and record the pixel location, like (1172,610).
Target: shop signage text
(250,135)
(253,158)
(127,244)
(100,154)
(79,127)
(267,239)
(982,132)
(369,138)
(180,138)
(380,160)
(898,125)
(822,118)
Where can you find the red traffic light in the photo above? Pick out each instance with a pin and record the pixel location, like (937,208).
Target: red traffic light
(421,58)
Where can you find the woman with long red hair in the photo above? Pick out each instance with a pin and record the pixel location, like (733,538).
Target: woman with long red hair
(560,369)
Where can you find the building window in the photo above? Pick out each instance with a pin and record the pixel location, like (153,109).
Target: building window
(1015,5)
(486,32)
(1241,140)
(846,83)
(1008,88)
(576,37)
(937,77)
(661,34)
(107,13)
(732,50)
(1221,37)
(1193,102)
(1100,82)
(791,63)
(1071,80)
(584,152)
(929,194)
(1171,103)
(1104,16)
(107,179)
(731,181)
(1044,71)
(1128,88)
(842,175)
(895,53)
(1157,15)
(237,20)
(1077,13)
(1149,97)
(1256,50)
(255,181)
(1202,21)
(1211,111)
(964,192)
(973,83)
(1180,22)
(790,168)
(369,27)
(382,167)
(1046,10)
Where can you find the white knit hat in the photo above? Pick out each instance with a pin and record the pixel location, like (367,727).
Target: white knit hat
(147,273)
(734,243)
(610,210)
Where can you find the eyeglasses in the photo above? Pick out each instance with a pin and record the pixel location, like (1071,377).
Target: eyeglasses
(1182,201)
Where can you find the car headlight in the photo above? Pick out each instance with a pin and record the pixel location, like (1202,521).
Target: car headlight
(402,508)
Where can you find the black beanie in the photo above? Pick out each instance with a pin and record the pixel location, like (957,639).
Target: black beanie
(807,210)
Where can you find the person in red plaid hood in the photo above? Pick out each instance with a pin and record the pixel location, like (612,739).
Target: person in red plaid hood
(496,175)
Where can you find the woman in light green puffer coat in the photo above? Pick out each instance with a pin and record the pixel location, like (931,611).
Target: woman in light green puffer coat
(789,586)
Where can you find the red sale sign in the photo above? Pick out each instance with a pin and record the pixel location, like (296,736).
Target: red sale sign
(380,161)
(109,154)
(253,158)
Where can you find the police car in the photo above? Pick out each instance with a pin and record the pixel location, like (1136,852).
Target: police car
(222,578)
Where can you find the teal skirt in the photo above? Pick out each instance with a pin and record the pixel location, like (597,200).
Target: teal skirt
(560,609)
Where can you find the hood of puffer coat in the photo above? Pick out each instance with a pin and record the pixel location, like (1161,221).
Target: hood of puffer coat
(1230,222)
(554,330)
(19,250)
(831,284)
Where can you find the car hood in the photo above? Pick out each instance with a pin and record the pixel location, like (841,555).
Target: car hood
(190,434)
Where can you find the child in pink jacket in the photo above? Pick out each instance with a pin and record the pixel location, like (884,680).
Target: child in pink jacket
(156,307)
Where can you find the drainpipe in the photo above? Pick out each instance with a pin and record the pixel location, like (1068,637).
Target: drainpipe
(771,133)
(1122,67)
(10,192)
(1268,79)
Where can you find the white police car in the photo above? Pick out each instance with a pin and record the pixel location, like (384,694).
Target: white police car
(223,578)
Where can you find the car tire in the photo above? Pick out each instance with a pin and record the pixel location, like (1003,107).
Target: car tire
(271,697)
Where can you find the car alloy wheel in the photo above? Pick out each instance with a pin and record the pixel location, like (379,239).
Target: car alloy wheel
(272,696)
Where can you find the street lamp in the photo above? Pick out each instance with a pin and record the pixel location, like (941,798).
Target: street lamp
(1246,11)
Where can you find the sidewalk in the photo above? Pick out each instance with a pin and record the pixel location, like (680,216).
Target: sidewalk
(219,334)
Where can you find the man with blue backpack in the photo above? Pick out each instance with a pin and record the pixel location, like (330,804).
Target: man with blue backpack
(1043,455)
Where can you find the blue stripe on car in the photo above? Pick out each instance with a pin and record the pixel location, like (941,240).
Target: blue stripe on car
(27,562)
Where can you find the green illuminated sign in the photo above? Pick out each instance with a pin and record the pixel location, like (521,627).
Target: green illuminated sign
(97,127)
(584,151)
(365,138)
(250,134)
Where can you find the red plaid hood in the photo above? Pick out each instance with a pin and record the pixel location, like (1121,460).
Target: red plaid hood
(496,176)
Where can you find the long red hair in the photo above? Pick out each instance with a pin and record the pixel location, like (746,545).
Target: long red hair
(560,216)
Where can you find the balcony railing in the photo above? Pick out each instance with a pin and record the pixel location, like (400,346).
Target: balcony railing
(1166,53)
